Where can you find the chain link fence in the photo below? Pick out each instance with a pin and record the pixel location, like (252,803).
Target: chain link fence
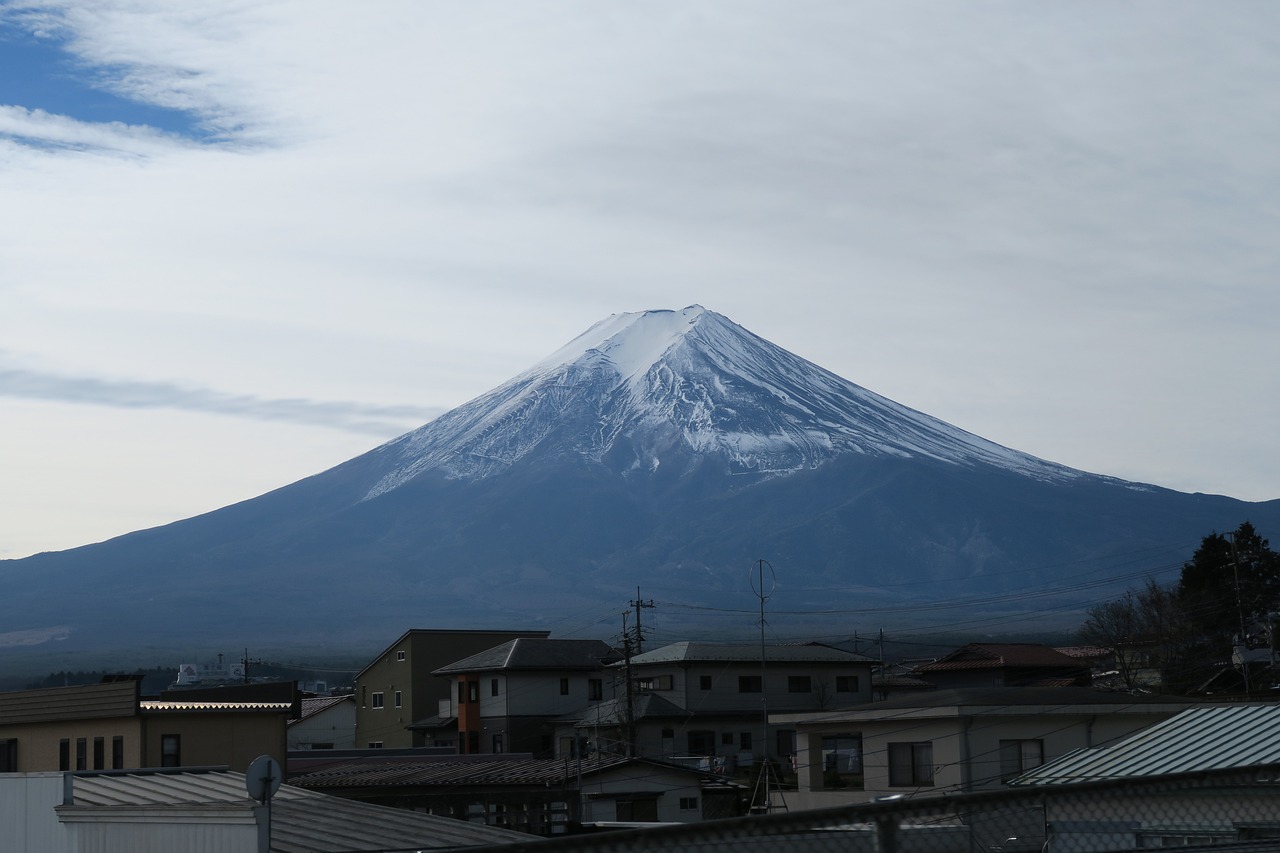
(1224,810)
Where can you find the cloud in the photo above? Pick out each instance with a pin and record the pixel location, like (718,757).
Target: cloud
(350,417)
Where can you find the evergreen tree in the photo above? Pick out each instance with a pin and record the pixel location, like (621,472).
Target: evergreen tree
(1231,579)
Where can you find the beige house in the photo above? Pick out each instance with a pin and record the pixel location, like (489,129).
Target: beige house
(110,726)
(397,687)
(952,741)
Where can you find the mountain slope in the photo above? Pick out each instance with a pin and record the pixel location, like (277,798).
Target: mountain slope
(666,450)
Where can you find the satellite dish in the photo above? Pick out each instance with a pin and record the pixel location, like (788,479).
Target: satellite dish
(262,779)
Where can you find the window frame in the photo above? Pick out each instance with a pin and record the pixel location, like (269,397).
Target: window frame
(911,764)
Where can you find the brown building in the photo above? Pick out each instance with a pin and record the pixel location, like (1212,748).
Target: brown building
(109,726)
(398,687)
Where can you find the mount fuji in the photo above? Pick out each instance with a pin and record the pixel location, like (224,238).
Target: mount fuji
(664,450)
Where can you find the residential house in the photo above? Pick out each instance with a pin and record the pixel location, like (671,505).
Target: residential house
(505,698)
(710,701)
(539,796)
(1243,808)
(326,722)
(948,741)
(208,811)
(397,687)
(111,726)
(1005,665)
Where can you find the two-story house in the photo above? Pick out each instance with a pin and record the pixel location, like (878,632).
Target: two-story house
(1005,665)
(712,700)
(397,687)
(955,741)
(505,698)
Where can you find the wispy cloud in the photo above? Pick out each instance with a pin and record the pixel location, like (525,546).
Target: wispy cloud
(352,417)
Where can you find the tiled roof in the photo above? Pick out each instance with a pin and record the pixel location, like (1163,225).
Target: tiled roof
(300,820)
(315,704)
(536,653)
(647,706)
(999,655)
(1196,739)
(687,652)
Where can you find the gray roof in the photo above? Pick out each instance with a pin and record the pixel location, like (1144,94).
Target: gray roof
(647,706)
(455,772)
(536,653)
(1197,739)
(300,820)
(687,652)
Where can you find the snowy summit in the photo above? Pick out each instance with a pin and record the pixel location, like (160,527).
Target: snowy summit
(640,391)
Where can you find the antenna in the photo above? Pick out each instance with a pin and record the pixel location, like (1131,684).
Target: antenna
(761,801)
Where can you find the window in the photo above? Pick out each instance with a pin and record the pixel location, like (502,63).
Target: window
(688,804)
(9,755)
(668,734)
(82,754)
(910,764)
(170,750)
(375,744)
(473,691)
(117,752)
(750,684)
(638,809)
(497,744)
(377,700)
(799,684)
(702,743)
(473,743)
(704,682)
(655,682)
(564,687)
(399,697)
(785,741)
(399,656)
(744,741)
(64,754)
(842,761)
(462,693)
(1019,756)
(846,684)
(595,689)
(99,753)
(493,687)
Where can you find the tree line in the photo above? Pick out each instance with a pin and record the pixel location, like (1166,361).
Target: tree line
(1179,635)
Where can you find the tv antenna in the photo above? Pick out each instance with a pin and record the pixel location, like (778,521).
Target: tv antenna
(766,781)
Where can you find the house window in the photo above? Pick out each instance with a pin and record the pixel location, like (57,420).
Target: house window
(99,753)
(9,755)
(473,691)
(462,693)
(564,687)
(1019,756)
(785,741)
(595,689)
(846,684)
(842,761)
(375,744)
(170,750)
(64,754)
(497,744)
(799,684)
(117,752)
(399,656)
(750,684)
(704,682)
(702,743)
(744,741)
(82,754)
(910,764)
(688,804)
(473,743)
(637,810)
(399,698)
(726,738)
(493,687)
(377,700)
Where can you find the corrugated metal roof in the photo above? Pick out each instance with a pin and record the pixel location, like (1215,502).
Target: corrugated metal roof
(300,820)
(159,705)
(1196,739)
(495,773)
(686,652)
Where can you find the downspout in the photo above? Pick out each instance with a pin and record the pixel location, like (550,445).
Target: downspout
(966,771)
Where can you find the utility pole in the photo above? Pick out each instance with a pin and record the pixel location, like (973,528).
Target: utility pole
(1235,568)
(631,698)
(639,606)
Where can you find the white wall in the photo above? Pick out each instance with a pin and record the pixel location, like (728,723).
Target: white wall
(27,819)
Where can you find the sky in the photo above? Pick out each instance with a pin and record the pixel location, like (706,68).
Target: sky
(242,241)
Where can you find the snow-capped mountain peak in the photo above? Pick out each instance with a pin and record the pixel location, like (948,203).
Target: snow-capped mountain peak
(639,392)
